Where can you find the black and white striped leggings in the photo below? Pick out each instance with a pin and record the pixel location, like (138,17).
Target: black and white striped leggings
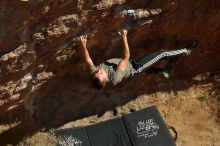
(145,64)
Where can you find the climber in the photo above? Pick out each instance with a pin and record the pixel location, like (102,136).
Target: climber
(114,70)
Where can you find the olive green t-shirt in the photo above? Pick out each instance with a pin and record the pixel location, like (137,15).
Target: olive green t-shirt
(115,75)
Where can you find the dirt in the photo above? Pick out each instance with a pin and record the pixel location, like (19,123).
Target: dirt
(196,120)
(193,112)
(44,83)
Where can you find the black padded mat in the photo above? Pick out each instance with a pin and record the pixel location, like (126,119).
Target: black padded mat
(73,137)
(147,128)
(108,133)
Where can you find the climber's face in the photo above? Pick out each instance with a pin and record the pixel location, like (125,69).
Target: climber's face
(101,74)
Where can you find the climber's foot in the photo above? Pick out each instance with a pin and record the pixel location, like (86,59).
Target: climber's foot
(190,47)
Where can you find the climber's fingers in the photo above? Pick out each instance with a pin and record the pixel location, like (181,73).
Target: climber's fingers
(123,33)
(83,40)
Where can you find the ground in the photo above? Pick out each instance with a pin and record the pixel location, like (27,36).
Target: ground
(194,112)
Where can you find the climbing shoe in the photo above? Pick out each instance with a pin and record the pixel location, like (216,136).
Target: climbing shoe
(190,47)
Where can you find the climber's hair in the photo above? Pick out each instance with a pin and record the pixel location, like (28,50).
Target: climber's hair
(96,83)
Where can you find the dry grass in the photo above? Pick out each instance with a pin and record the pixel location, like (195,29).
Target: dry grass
(40,139)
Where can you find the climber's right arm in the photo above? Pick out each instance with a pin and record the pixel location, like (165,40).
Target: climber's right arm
(86,56)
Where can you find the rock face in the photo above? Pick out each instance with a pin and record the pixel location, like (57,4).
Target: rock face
(43,80)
